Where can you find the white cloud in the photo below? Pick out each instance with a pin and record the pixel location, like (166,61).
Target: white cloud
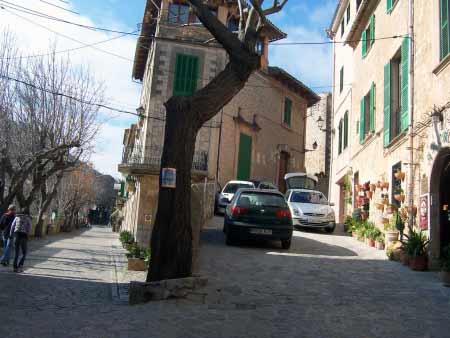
(114,72)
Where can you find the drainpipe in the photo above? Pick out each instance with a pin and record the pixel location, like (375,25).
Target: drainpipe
(411,113)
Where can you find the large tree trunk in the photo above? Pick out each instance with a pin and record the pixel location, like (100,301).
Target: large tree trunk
(171,241)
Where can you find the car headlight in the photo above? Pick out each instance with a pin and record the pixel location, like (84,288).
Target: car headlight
(331,215)
(296,211)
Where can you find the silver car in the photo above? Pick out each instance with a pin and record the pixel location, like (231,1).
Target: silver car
(311,209)
(228,191)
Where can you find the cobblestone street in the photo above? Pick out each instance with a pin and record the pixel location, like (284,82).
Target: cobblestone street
(325,286)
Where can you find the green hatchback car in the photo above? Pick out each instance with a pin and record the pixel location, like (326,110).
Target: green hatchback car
(262,214)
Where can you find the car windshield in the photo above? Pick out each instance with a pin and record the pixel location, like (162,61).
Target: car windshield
(312,197)
(255,199)
(301,182)
(231,188)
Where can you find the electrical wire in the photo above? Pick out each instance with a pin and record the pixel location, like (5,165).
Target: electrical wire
(60,7)
(293,43)
(68,37)
(99,105)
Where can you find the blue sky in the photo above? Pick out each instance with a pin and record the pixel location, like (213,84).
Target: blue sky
(301,20)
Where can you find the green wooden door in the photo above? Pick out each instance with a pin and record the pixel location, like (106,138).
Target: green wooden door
(245,157)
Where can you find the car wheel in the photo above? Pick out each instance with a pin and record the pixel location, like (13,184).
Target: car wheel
(230,237)
(286,245)
(330,230)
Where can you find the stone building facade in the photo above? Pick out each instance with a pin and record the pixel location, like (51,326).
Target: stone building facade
(318,135)
(260,134)
(387,109)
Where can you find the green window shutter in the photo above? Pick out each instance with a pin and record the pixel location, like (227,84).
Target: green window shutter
(186,75)
(387,104)
(341,79)
(372,108)
(345,130)
(244,157)
(445,43)
(388,6)
(361,122)
(372,29)
(340,137)
(287,111)
(404,120)
(364,44)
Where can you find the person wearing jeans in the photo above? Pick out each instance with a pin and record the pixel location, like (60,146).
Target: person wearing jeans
(20,228)
(5,224)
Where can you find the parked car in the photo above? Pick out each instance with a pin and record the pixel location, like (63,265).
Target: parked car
(228,191)
(265,185)
(255,213)
(311,209)
(301,181)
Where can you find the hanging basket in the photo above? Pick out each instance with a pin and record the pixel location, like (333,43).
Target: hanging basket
(379,206)
(399,175)
(400,197)
(373,187)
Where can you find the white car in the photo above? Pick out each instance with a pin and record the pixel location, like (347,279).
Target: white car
(228,191)
(311,209)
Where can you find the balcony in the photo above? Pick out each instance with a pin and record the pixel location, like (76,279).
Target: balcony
(136,164)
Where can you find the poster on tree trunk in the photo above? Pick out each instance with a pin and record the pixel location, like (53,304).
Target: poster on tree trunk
(169,178)
(424,211)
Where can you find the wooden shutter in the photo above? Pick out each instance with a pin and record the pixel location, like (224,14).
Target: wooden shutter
(404,121)
(445,44)
(341,79)
(287,111)
(364,44)
(340,137)
(372,108)
(372,30)
(388,6)
(387,104)
(346,130)
(361,122)
(186,75)
(244,157)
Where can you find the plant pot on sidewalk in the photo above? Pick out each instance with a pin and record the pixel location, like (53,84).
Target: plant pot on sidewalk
(404,258)
(418,263)
(445,278)
(136,264)
(379,245)
(391,237)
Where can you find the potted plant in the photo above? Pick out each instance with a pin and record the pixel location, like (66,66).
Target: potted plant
(415,247)
(136,259)
(445,266)
(399,175)
(399,195)
(391,232)
(126,238)
(379,242)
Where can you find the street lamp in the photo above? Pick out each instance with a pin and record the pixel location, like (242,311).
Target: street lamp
(320,122)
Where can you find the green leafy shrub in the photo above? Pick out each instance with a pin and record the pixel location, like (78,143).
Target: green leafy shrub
(134,251)
(126,237)
(416,244)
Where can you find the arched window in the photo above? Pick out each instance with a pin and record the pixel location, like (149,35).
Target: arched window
(340,137)
(346,130)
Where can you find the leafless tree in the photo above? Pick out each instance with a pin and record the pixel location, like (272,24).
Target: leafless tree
(44,133)
(171,241)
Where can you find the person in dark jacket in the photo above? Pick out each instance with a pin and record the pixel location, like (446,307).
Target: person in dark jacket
(5,226)
(20,229)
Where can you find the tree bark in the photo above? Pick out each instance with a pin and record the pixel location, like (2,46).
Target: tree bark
(171,241)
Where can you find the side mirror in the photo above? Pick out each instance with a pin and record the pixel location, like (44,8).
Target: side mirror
(332,204)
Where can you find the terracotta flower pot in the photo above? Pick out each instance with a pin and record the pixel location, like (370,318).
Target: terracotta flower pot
(399,197)
(445,278)
(379,206)
(379,245)
(418,263)
(400,175)
(373,187)
(384,220)
(369,194)
(371,243)
(391,237)
(404,258)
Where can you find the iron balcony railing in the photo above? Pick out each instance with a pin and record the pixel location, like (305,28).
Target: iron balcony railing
(152,159)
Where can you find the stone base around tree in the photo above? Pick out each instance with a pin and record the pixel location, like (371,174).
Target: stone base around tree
(141,292)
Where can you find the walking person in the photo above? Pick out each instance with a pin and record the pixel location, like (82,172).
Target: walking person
(20,229)
(5,226)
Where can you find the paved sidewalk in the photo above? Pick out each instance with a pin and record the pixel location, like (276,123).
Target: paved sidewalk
(328,286)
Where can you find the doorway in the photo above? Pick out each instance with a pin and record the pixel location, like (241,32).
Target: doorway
(284,160)
(440,203)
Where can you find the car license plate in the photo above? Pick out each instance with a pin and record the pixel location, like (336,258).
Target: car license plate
(261,232)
